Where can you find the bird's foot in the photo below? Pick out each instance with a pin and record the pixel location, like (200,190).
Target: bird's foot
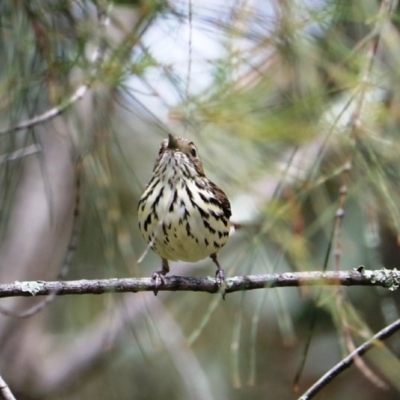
(159,279)
(220,281)
(220,277)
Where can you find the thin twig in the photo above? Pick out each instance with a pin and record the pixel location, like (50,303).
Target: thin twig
(5,390)
(384,278)
(190,44)
(365,80)
(340,293)
(80,92)
(313,320)
(25,151)
(349,360)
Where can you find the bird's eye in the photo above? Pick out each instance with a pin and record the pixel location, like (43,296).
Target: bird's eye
(193,152)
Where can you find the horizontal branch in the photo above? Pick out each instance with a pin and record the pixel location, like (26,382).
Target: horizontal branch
(360,277)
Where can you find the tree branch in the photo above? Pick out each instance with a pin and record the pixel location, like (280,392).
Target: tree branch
(5,391)
(349,360)
(360,277)
(79,93)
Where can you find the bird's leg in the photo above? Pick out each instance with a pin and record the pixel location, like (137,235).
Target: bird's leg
(159,276)
(219,275)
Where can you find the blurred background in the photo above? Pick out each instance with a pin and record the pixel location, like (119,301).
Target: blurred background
(294,107)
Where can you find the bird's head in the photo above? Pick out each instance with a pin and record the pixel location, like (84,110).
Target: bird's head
(181,153)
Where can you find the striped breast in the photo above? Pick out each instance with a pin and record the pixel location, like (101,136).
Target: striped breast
(182,218)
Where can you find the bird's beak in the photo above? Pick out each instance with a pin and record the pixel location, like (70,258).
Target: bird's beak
(172,142)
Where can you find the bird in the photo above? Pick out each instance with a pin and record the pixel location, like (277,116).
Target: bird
(182,214)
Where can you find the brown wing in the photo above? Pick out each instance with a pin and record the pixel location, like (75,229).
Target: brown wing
(222,199)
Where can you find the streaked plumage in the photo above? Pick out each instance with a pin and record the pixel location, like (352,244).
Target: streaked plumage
(182,214)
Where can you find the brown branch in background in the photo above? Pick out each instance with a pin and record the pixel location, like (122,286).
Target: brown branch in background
(382,17)
(340,294)
(384,278)
(5,391)
(356,124)
(348,361)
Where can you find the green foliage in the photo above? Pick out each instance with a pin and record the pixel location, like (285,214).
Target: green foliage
(295,114)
